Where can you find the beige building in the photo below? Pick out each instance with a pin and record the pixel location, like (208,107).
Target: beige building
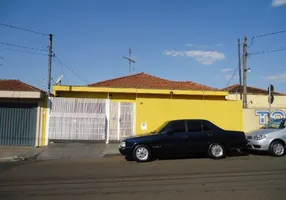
(21,114)
(258,110)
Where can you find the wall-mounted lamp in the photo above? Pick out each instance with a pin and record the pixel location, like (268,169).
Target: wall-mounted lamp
(171,93)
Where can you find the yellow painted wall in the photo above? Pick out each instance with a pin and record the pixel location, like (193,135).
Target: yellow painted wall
(118,97)
(226,114)
(126,97)
(44,122)
(82,95)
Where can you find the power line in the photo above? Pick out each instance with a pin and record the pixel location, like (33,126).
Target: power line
(28,52)
(264,35)
(268,51)
(231,78)
(234,73)
(71,70)
(23,29)
(23,47)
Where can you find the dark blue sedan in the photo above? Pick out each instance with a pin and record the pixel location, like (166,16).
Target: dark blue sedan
(183,137)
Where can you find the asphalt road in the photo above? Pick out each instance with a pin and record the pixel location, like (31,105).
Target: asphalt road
(247,177)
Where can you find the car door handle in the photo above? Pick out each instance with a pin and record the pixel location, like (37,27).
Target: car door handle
(210,134)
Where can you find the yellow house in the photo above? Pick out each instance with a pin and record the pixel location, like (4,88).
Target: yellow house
(157,100)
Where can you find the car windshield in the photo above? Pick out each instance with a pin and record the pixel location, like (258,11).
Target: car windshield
(275,124)
(161,127)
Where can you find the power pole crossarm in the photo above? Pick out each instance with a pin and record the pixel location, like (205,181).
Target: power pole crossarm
(245,72)
(50,64)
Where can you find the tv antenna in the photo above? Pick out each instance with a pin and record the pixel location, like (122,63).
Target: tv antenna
(130,60)
(59,81)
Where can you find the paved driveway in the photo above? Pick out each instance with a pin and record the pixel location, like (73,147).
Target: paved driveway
(249,177)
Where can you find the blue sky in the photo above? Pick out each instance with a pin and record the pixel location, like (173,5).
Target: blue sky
(179,40)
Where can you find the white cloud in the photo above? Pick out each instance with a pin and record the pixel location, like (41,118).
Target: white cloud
(199,46)
(174,53)
(227,70)
(204,57)
(277,3)
(229,76)
(279,77)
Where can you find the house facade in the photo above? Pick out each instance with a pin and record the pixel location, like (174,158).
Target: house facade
(258,111)
(22,114)
(135,105)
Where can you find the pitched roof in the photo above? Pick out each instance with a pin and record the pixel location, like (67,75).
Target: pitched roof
(146,81)
(251,90)
(16,85)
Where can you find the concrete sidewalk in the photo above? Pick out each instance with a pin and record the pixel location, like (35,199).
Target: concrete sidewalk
(11,153)
(58,151)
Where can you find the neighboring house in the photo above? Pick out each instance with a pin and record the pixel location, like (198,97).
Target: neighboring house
(256,97)
(136,104)
(21,114)
(258,110)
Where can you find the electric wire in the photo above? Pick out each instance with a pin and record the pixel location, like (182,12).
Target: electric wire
(23,47)
(265,35)
(70,69)
(23,29)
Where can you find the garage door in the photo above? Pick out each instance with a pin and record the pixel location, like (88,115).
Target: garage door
(18,124)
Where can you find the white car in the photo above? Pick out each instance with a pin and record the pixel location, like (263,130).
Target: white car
(271,138)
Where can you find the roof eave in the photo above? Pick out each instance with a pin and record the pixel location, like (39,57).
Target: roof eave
(21,94)
(137,91)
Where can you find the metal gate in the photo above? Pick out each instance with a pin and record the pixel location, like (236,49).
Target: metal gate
(18,124)
(122,120)
(77,119)
(114,126)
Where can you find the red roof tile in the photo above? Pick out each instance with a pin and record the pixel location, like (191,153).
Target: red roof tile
(16,85)
(250,90)
(146,81)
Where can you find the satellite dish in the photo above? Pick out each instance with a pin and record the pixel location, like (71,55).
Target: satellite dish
(58,82)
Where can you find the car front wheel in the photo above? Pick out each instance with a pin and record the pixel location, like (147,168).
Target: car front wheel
(142,153)
(277,149)
(216,151)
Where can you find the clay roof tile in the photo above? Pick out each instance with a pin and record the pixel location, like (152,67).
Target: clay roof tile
(146,81)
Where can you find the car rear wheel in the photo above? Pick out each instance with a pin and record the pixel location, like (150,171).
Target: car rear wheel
(216,151)
(277,149)
(142,153)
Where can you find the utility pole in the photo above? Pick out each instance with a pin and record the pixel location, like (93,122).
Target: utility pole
(239,68)
(129,59)
(245,72)
(50,64)
(270,99)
